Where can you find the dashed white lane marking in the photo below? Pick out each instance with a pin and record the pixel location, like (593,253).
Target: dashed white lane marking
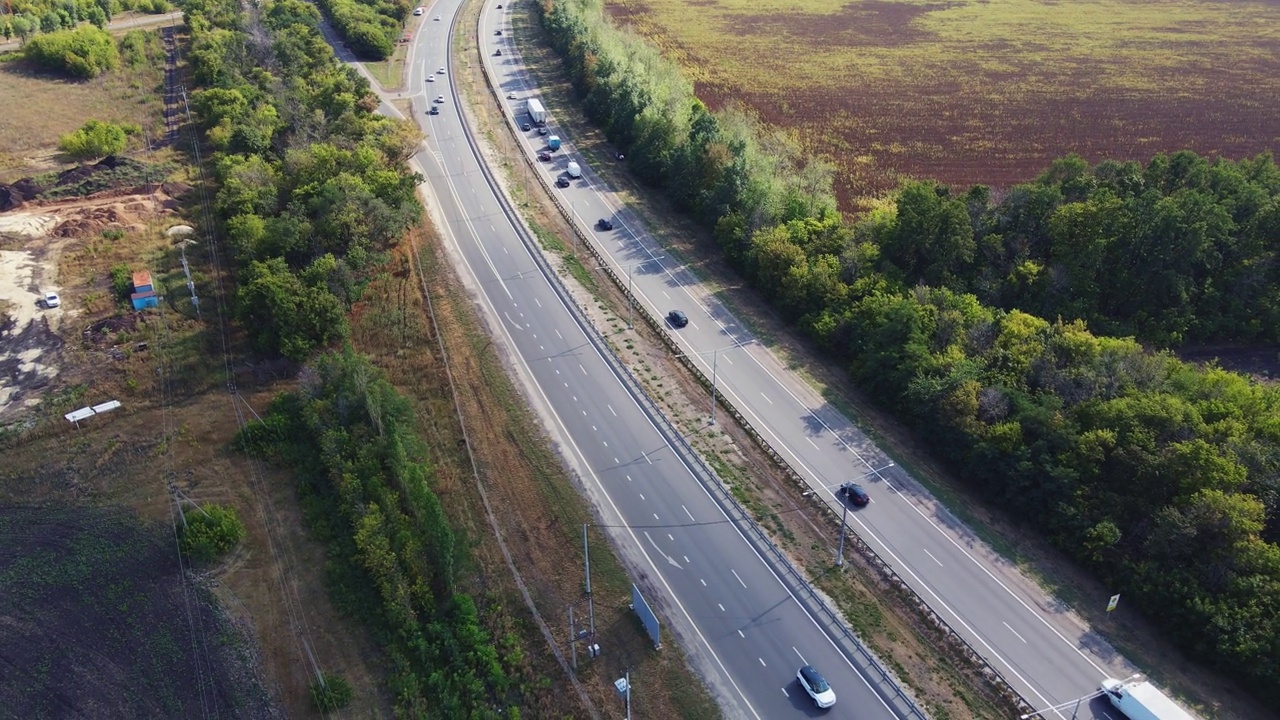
(628,478)
(784,692)
(686,512)
(728,359)
(646,457)
(740,634)
(584,370)
(704,582)
(1015,632)
(797,652)
(766,398)
(575,398)
(655,516)
(814,444)
(664,292)
(615,412)
(686,558)
(538,302)
(606,443)
(926,552)
(720,606)
(735,574)
(641,495)
(670,538)
(762,662)
(559,335)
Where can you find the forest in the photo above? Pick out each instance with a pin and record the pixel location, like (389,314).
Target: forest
(1025,332)
(24,19)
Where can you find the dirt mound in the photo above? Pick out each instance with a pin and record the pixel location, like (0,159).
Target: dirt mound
(90,221)
(82,180)
(98,332)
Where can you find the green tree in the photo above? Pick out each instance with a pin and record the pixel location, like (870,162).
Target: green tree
(84,52)
(95,139)
(286,316)
(210,532)
(331,692)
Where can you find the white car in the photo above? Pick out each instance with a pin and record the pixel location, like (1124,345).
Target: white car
(437,18)
(440,99)
(511,96)
(431,78)
(440,71)
(51,300)
(816,685)
(418,11)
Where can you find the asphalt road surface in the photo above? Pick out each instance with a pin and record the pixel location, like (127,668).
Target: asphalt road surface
(746,623)
(1046,652)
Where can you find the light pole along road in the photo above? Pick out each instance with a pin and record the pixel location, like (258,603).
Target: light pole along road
(744,618)
(1046,652)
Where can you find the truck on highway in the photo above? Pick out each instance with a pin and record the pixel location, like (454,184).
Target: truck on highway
(574,170)
(537,113)
(1140,700)
(553,142)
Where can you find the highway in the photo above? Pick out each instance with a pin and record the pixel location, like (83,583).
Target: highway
(745,621)
(1046,652)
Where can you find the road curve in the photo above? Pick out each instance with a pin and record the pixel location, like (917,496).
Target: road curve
(1045,651)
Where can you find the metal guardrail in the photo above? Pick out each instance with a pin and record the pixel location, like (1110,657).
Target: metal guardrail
(737,514)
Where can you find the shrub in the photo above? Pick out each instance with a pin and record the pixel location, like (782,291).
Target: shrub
(122,282)
(95,140)
(330,692)
(211,532)
(84,52)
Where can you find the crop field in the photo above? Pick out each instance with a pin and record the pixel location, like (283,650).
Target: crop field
(981,91)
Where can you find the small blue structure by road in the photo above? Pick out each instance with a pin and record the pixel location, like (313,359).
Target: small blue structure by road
(144,294)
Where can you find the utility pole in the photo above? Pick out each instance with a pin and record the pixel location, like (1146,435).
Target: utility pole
(843,517)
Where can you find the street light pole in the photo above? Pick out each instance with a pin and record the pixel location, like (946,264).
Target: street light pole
(840,549)
(715,356)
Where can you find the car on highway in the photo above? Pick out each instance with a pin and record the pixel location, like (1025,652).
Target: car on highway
(563,182)
(497,52)
(604,224)
(855,493)
(439,99)
(542,130)
(511,96)
(677,318)
(418,11)
(544,156)
(51,300)
(526,127)
(431,78)
(499,6)
(497,32)
(440,71)
(435,110)
(816,686)
(437,18)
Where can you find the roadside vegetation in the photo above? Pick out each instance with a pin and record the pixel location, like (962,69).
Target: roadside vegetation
(371,28)
(1153,473)
(26,19)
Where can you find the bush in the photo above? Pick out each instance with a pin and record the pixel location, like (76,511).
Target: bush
(85,52)
(330,692)
(95,140)
(211,532)
(122,282)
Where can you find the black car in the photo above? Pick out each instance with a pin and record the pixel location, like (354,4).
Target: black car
(544,156)
(497,32)
(497,53)
(677,318)
(855,494)
(605,224)
(563,182)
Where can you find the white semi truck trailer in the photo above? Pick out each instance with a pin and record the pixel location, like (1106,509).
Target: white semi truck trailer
(1140,700)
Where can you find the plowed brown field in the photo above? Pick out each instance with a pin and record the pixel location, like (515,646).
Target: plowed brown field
(982,91)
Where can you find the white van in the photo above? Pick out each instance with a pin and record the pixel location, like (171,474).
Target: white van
(574,170)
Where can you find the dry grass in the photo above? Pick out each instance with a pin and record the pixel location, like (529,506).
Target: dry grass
(38,108)
(982,91)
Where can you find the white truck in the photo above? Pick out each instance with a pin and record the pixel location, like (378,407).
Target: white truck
(537,113)
(1140,700)
(574,170)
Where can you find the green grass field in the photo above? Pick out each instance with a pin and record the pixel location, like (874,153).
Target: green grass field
(982,91)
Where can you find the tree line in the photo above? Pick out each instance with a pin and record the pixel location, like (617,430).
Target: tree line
(312,188)
(968,317)
(369,27)
(365,485)
(24,19)
(312,185)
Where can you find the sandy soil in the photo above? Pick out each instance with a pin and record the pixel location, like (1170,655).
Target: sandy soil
(33,242)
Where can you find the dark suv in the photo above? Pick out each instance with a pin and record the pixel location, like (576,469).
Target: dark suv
(605,224)
(677,318)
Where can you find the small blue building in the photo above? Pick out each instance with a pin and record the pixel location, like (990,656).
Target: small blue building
(144,295)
